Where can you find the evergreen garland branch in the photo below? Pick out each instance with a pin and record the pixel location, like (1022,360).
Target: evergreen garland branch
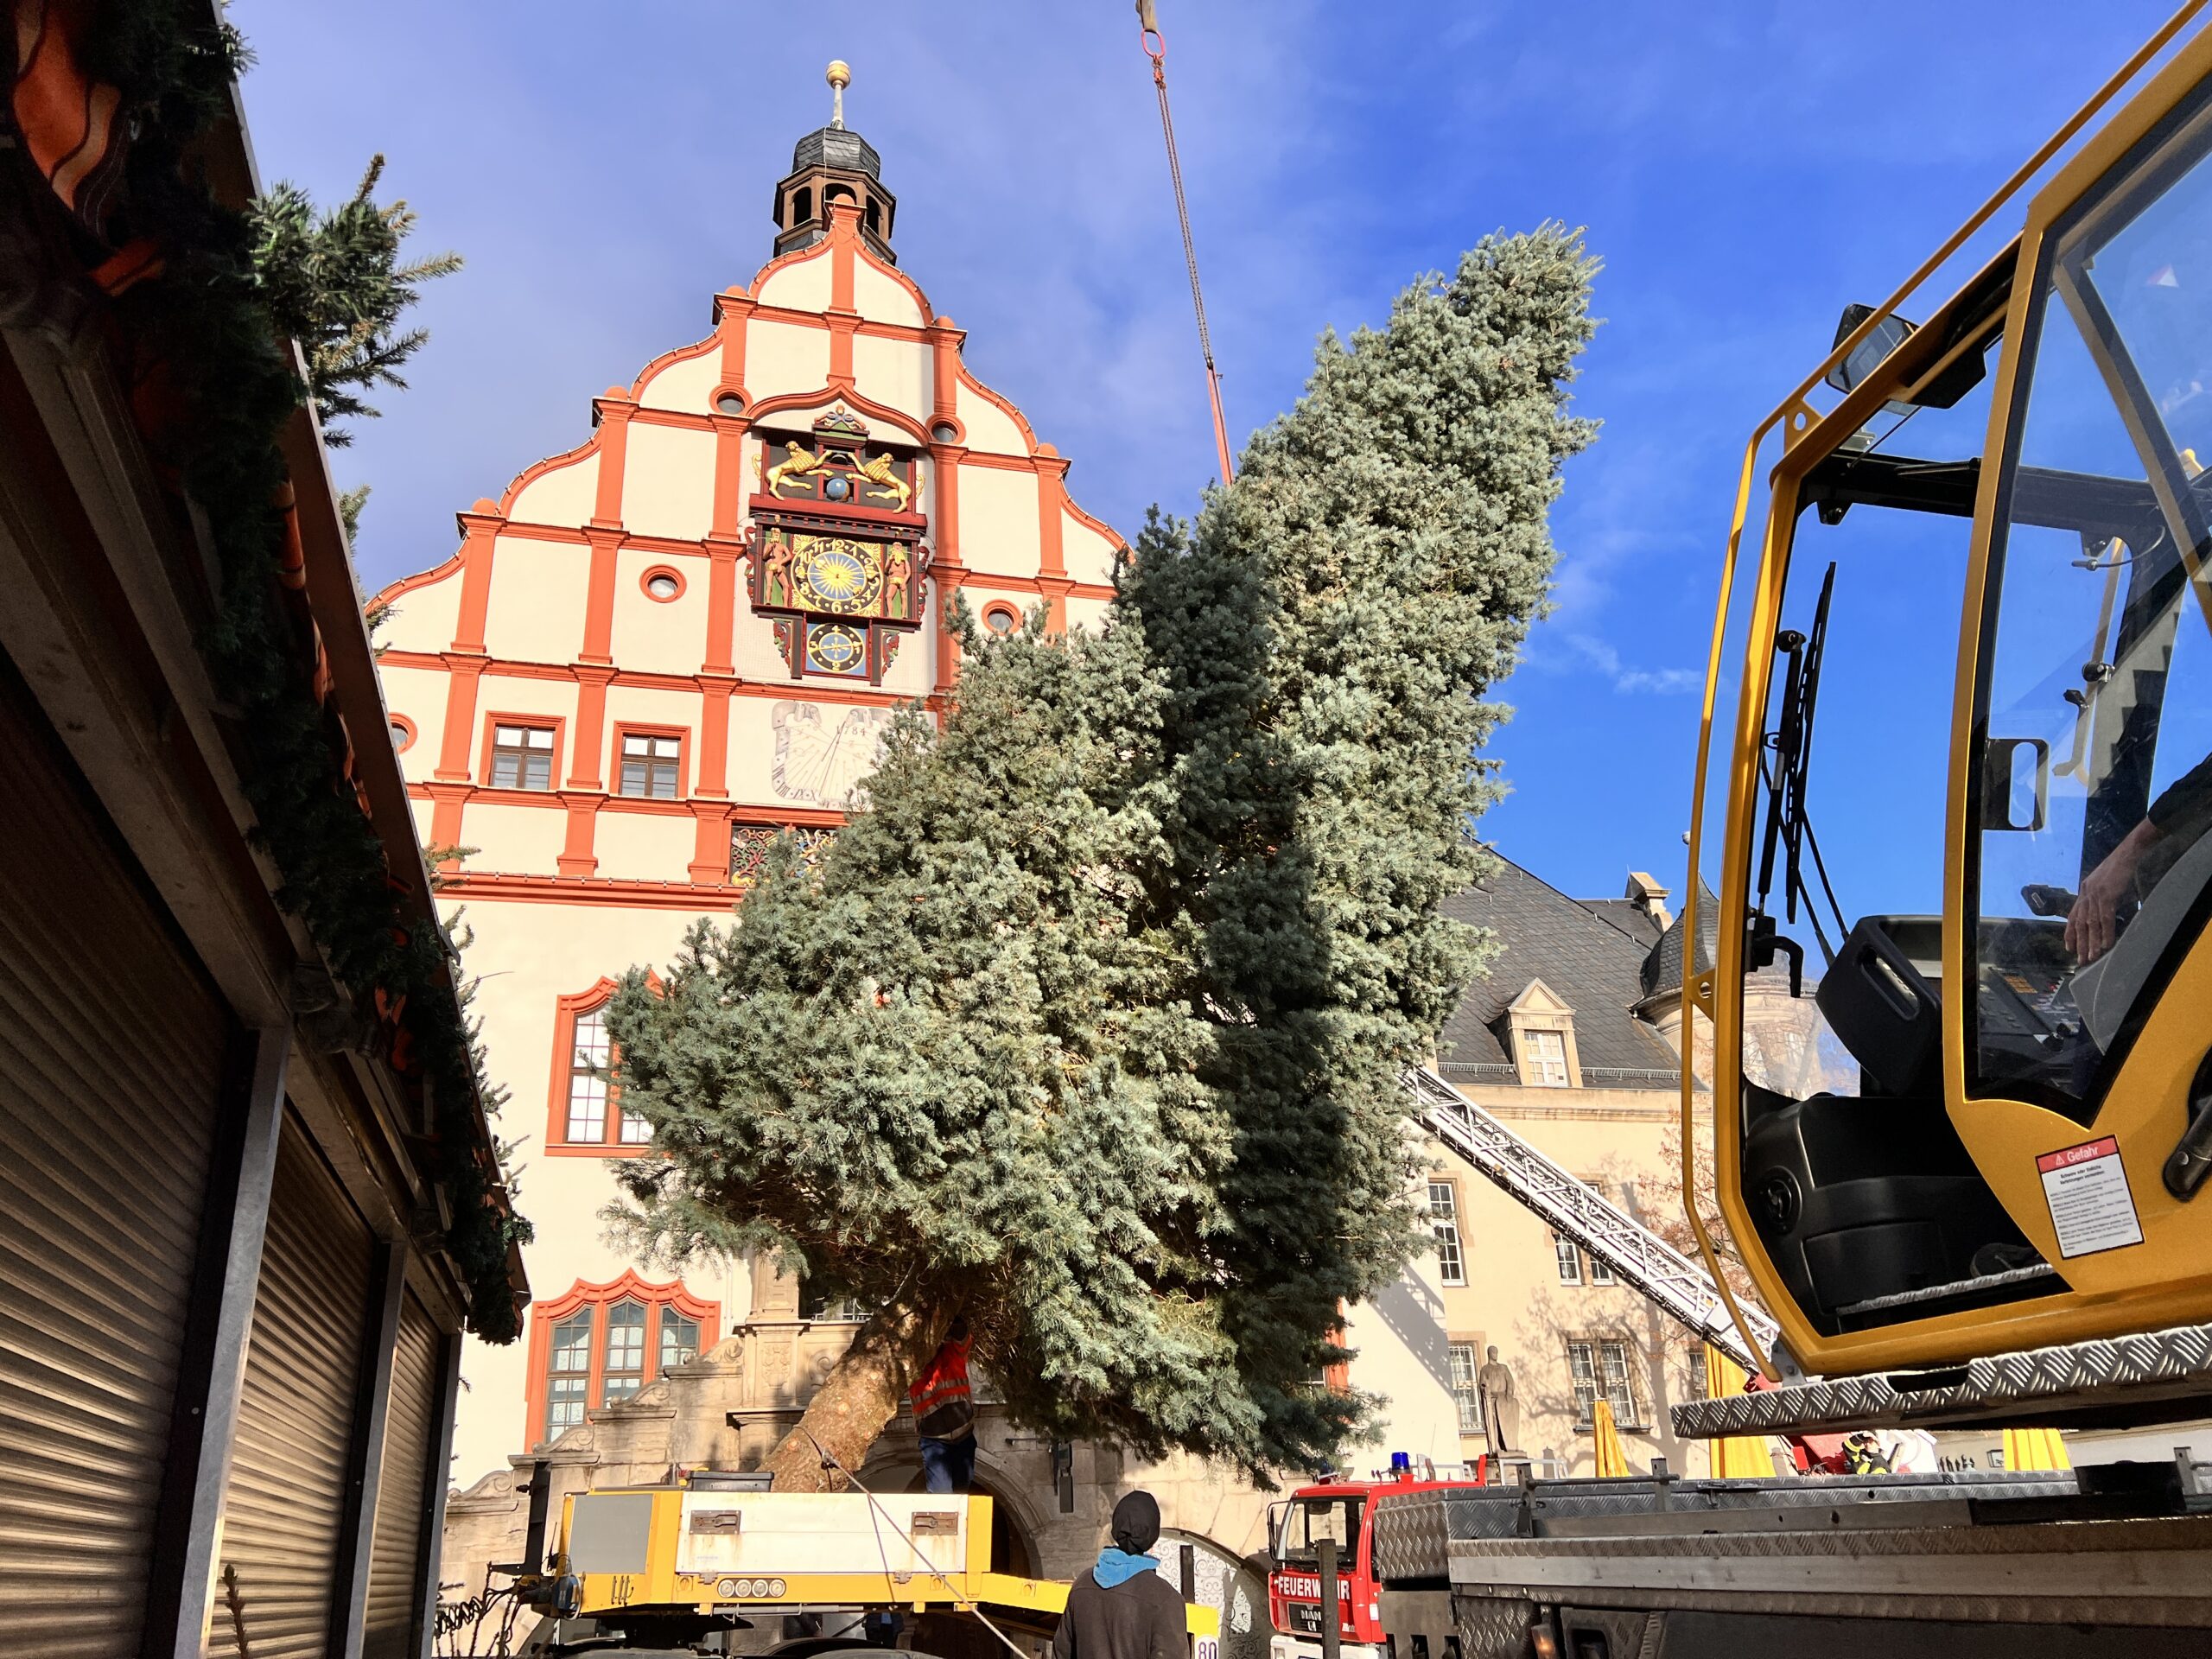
(211,326)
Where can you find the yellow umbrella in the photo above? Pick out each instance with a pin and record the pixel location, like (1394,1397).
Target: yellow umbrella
(2035,1448)
(1612,1456)
(1740,1457)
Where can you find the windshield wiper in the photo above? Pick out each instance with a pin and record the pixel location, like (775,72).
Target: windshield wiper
(1789,825)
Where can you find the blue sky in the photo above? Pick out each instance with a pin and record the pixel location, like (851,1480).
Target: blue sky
(1743,170)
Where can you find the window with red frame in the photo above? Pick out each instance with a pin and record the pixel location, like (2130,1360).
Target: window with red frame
(584,1092)
(600,1344)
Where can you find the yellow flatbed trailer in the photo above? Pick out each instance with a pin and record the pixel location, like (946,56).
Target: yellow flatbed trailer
(656,1560)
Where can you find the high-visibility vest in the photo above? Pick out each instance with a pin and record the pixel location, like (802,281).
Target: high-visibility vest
(945,1408)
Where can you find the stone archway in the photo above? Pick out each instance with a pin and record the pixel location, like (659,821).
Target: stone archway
(1014,1523)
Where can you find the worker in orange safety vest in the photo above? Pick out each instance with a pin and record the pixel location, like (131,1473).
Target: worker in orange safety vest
(944,1414)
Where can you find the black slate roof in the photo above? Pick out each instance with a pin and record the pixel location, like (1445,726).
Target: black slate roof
(1591,954)
(1662,968)
(837,147)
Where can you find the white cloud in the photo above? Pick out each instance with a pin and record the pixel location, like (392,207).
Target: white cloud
(1595,653)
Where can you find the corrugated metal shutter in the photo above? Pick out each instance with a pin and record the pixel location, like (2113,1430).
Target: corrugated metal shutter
(109,1073)
(403,1490)
(285,1507)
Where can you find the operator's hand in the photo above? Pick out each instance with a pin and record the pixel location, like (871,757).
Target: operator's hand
(2092,924)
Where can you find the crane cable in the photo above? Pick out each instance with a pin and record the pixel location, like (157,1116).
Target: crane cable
(1155,48)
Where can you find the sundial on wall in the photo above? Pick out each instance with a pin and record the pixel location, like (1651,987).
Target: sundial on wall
(837,556)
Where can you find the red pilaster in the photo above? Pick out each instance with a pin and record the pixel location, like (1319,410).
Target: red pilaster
(598,597)
(446,803)
(578,857)
(843,318)
(479,527)
(714,738)
(709,866)
(723,557)
(613,412)
(461,675)
(1052,565)
(590,733)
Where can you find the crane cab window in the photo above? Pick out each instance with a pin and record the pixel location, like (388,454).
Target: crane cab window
(1864,1198)
(2092,864)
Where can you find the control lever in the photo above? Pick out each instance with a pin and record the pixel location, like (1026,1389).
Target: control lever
(2190,1160)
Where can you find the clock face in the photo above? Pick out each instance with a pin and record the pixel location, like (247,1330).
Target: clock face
(838,575)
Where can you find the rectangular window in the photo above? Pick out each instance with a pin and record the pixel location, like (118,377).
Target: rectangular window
(1569,1259)
(590,1056)
(1599,1368)
(568,1373)
(1465,1389)
(1547,1058)
(1613,1373)
(1601,1272)
(1693,1378)
(1444,1222)
(1582,1372)
(636,1131)
(650,765)
(679,1338)
(624,1371)
(522,757)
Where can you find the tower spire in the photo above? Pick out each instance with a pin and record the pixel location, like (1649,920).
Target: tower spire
(840,76)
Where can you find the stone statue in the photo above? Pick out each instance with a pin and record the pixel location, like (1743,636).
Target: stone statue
(1501,1412)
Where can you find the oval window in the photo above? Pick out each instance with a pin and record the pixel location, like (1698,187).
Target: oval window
(662,585)
(1001,619)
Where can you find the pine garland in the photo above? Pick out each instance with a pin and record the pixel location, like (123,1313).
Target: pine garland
(205,340)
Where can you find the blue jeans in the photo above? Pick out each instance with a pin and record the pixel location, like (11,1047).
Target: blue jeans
(947,1465)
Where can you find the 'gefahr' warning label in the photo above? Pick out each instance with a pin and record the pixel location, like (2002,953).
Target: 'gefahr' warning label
(2090,1205)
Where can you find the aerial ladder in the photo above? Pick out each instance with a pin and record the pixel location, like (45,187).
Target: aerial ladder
(1572,1209)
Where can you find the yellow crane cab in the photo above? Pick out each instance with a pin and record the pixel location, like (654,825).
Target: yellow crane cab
(1953,966)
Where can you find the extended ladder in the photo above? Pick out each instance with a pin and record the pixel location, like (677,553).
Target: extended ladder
(1638,1257)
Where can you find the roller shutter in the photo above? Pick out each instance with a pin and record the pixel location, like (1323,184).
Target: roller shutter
(284,1510)
(403,1491)
(110,1069)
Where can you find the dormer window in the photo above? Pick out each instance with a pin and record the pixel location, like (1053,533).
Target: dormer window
(1546,1063)
(1540,1036)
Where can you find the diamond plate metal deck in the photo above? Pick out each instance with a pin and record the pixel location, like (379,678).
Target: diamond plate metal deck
(2118,1380)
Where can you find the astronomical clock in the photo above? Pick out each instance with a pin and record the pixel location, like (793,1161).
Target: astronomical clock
(836,553)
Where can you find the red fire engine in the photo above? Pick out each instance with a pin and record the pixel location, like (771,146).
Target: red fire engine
(1336,1511)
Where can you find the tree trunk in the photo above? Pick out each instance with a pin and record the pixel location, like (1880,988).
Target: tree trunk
(859,1398)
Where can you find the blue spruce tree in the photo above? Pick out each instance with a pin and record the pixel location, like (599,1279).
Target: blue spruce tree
(1090,1026)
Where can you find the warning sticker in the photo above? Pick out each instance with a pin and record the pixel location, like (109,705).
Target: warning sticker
(2090,1205)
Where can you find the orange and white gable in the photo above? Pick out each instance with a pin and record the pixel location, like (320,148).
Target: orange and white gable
(688,631)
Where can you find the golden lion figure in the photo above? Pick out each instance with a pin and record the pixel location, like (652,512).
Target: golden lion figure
(801,462)
(878,472)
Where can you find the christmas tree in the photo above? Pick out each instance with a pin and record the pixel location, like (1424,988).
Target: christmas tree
(1090,1026)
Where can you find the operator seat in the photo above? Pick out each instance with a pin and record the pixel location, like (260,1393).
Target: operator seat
(1860,1198)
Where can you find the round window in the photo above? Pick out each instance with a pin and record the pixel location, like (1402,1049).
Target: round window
(402,734)
(662,584)
(730,403)
(1001,619)
(944,432)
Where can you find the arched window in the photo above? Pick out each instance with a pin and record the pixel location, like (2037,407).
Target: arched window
(600,1344)
(586,1115)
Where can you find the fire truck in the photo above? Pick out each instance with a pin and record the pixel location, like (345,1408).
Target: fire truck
(2113,1562)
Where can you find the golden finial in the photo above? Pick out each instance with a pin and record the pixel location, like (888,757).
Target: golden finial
(840,76)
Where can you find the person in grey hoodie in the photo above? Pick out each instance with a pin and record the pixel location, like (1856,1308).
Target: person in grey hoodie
(1122,1609)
